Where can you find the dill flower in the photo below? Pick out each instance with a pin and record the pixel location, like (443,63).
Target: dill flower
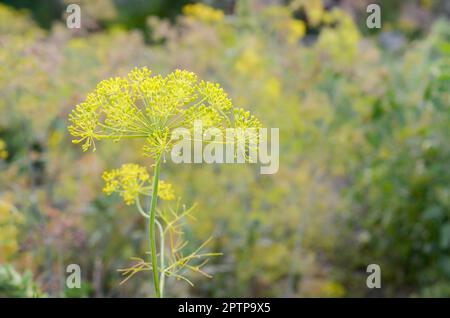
(3,151)
(314,10)
(202,12)
(141,105)
(132,180)
(282,22)
(165,191)
(296,30)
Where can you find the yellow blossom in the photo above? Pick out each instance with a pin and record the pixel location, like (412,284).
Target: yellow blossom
(132,180)
(296,30)
(151,107)
(287,28)
(165,191)
(129,181)
(202,12)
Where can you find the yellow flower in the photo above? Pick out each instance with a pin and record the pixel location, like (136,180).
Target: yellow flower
(129,181)
(150,107)
(296,30)
(314,10)
(132,180)
(281,20)
(202,12)
(165,191)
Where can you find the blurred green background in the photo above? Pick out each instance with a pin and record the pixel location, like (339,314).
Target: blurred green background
(364,146)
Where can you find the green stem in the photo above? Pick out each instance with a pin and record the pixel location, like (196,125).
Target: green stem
(161,245)
(152,227)
(161,257)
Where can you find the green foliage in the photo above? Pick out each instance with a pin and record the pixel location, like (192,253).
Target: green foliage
(128,14)
(401,184)
(13,284)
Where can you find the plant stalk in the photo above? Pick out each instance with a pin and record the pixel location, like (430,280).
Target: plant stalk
(152,235)
(161,256)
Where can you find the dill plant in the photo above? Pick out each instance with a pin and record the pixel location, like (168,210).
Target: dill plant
(150,107)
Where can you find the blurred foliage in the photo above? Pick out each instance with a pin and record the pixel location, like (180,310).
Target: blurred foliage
(43,11)
(100,13)
(12,284)
(364,152)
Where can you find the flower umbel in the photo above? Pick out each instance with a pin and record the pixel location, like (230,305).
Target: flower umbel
(165,191)
(151,107)
(202,12)
(131,180)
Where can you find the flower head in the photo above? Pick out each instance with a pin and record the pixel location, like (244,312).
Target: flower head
(151,107)
(165,191)
(202,12)
(131,181)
